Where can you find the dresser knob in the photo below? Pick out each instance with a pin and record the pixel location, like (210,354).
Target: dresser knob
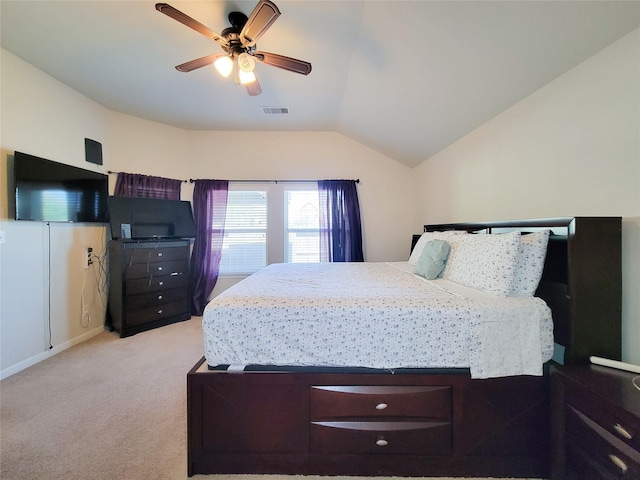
(159,297)
(159,312)
(159,254)
(381,442)
(618,463)
(620,430)
(160,283)
(381,406)
(159,269)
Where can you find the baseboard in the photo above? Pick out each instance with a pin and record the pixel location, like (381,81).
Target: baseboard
(18,367)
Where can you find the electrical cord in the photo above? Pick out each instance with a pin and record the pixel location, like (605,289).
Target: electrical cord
(49,286)
(101,277)
(83,306)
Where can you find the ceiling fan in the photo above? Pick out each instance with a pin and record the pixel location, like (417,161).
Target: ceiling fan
(239,43)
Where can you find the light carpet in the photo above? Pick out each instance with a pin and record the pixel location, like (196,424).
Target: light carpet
(108,409)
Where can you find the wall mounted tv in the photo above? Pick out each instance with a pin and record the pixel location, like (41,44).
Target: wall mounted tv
(48,191)
(143,218)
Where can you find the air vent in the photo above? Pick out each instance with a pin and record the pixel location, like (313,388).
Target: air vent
(275,110)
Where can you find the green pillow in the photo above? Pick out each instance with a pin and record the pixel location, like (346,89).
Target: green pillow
(432,260)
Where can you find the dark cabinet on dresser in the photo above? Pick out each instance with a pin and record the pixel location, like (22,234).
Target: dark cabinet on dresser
(595,423)
(148,284)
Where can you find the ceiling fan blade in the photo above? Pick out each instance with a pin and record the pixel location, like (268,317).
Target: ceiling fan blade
(254,88)
(287,63)
(198,62)
(262,17)
(191,23)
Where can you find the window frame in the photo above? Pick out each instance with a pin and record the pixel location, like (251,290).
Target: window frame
(276,231)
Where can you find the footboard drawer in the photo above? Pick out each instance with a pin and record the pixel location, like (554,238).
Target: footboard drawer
(381,437)
(380,419)
(380,401)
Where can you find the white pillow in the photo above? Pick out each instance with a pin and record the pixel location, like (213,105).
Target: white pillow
(533,250)
(428,236)
(485,262)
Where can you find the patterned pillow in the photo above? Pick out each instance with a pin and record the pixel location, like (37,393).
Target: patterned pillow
(485,262)
(533,250)
(432,260)
(428,236)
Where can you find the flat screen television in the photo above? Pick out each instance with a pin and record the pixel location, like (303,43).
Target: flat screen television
(144,218)
(48,191)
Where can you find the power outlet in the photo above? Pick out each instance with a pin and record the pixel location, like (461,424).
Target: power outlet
(87,257)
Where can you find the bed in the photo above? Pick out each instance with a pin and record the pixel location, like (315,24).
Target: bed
(404,389)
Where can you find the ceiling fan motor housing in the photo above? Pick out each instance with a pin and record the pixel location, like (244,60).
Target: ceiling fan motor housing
(232,34)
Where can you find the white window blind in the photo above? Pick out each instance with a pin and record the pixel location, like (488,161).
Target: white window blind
(302,234)
(244,248)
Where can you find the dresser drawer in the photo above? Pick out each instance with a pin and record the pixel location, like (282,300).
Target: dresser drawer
(617,422)
(160,253)
(135,302)
(381,437)
(155,284)
(143,270)
(598,449)
(380,401)
(158,312)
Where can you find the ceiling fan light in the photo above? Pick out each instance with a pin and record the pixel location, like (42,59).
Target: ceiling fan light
(246,62)
(224,65)
(246,77)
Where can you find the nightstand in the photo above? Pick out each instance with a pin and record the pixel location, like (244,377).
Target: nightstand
(595,431)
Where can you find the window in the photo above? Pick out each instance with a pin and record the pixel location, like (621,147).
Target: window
(302,228)
(269,223)
(244,248)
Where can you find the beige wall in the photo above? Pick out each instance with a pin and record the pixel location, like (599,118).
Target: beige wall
(42,117)
(42,278)
(384,189)
(570,149)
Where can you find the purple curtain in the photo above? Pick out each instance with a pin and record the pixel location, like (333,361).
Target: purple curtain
(135,185)
(340,227)
(209,210)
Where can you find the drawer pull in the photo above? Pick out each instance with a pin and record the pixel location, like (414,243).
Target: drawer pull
(620,430)
(618,463)
(159,254)
(381,442)
(159,312)
(381,406)
(159,297)
(160,283)
(159,269)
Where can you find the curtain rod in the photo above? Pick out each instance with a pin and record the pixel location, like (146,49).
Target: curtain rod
(191,180)
(110,172)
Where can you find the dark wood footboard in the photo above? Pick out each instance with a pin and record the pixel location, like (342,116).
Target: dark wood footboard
(444,424)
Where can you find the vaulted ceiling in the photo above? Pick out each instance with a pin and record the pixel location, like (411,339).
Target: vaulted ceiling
(406,78)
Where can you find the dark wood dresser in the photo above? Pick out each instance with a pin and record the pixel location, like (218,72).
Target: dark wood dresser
(595,423)
(148,284)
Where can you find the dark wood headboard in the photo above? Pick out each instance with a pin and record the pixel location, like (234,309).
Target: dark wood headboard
(581,281)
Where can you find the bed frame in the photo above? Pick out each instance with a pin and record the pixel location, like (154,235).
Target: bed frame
(415,422)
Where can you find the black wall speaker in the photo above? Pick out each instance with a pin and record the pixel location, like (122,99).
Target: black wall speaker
(93,151)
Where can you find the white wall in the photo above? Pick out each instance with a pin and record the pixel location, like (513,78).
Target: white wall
(42,117)
(570,149)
